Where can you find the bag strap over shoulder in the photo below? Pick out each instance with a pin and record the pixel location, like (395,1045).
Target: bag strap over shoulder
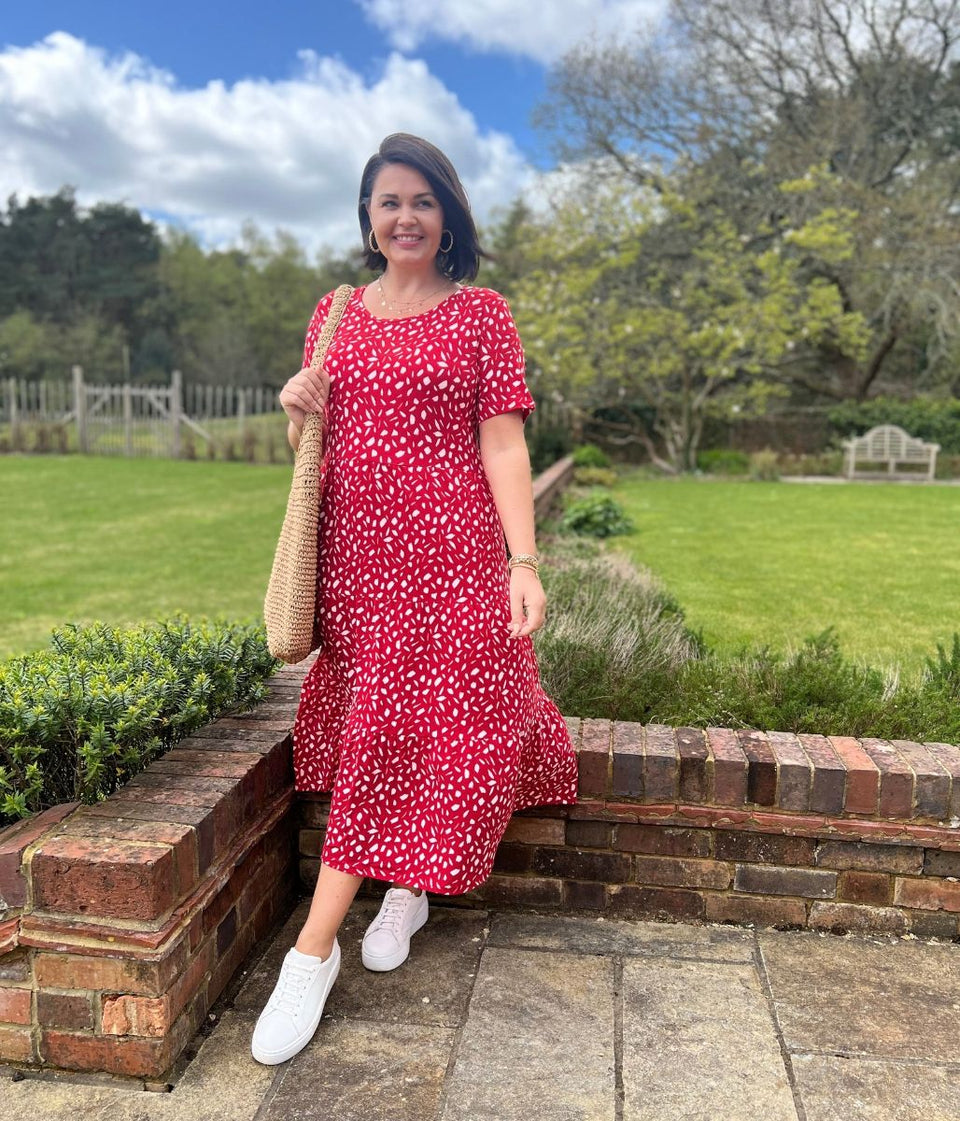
(340,298)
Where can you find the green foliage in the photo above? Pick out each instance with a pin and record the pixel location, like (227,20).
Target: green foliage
(596,515)
(723,461)
(764,464)
(589,455)
(594,477)
(546,444)
(80,719)
(935,419)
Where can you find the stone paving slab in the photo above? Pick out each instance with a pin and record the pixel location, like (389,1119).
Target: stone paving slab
(699,1043)
(836,1089)
(860,996)
(614,936)
(355,1070)
(539,1041)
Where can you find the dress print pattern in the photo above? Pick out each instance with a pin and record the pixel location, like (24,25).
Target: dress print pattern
(428,725)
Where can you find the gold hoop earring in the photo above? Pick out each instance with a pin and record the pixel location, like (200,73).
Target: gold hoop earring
(450,246)
(373,248)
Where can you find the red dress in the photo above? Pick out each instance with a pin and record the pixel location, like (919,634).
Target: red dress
(428,725)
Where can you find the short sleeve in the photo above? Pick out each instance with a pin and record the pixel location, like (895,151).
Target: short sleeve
(317,321)
(501,385)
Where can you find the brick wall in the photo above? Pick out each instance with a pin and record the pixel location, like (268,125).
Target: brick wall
(737,826)
(123,922)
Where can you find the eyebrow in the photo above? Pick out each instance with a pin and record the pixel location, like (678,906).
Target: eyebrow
(419,195)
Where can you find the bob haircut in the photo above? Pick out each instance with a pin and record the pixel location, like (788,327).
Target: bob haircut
(463,260)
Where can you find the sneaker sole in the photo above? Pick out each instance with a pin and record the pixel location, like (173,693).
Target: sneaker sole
(385,964)
(271,1058)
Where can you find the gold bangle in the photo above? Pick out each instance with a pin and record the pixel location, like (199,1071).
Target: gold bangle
(526,560)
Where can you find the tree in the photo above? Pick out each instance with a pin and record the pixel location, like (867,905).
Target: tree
(741,95)
(656,299)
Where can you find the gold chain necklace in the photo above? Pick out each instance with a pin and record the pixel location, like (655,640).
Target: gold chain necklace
(409,304)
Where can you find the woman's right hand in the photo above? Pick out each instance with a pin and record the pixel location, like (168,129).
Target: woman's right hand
(306,392)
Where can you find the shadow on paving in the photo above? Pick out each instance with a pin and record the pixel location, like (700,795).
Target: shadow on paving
(497,1016)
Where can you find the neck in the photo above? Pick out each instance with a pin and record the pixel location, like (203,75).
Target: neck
(409,283)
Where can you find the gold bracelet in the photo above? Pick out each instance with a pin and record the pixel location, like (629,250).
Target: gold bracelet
(527,560)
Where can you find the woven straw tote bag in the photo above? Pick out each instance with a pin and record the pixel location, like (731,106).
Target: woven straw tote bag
(290,605)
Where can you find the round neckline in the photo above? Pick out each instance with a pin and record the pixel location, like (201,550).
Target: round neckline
(404,318)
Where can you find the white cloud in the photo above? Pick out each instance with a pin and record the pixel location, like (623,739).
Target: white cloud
(542,31)
(285,154)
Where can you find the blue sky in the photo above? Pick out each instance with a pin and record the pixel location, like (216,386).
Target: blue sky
(212,114)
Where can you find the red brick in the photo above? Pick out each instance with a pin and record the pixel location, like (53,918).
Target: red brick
(829,774)
(932,924)
(181,838)
(530,891)
(938,862)
(80,876)
(662,840)
(72,971)
(200,817)
(535,830)
(589,834)
(865,887)
(766,847)
(15,839)
(581,895)
(575,864)
(694,765)
(931,782)
(313,814)
(896,779)
(843,917)
(135,1015)
(762,912)
(73,1011)
(729,767)
(574,727)
(927,894)
(871,858)
(794,771)
(768,879)
(594,757)
(671,871)
(311,841)
(863,777)
(16,1045)
(948,756)
(661,764)
(15,1006)
(512,856)
(214,764)
(761,769)
(664,904)
(15,966)
(627,781)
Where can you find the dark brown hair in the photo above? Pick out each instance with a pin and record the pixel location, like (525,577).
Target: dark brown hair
(463,260)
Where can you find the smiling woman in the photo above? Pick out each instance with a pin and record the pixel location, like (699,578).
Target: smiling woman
(423,711)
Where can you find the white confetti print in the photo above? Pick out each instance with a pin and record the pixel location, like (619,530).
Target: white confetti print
(426,723)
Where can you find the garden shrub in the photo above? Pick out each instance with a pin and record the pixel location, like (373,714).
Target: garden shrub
(596,515)
(79,719)
(546,444)
(723,461)
(935,419)
(589,455)
(764,465)
(594,476)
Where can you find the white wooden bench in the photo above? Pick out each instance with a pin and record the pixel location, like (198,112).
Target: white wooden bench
(890,445)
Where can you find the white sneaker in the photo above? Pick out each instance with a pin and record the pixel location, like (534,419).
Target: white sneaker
(386,943)
(287,1023)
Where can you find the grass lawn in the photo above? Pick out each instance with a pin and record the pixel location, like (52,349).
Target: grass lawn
(128,540)
(772,562)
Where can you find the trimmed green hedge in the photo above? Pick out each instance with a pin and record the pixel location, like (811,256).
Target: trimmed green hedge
(934,419)
(80,719)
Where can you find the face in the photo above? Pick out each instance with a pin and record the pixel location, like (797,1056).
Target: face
(406,216)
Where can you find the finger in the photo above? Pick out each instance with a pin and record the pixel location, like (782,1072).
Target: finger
(516,612)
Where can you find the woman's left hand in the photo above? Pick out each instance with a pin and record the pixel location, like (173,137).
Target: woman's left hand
(526,592)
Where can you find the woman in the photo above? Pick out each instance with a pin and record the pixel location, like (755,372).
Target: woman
(423,711)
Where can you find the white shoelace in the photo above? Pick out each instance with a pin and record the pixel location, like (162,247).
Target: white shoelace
(291,984)
(394,906)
